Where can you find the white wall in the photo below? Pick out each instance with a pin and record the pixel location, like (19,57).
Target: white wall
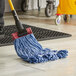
(17,5)
(32,4)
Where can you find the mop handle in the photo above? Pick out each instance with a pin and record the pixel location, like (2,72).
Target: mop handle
(13,10)
(17,21)
(11,5)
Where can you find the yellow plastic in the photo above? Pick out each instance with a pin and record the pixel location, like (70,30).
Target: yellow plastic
(67,7)
(11,5)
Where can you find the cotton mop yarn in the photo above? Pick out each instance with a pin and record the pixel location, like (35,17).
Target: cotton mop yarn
(28,49)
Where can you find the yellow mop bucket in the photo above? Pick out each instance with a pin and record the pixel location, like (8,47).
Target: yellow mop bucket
(67,7)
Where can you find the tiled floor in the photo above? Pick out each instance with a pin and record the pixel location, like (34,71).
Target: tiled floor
(12,65)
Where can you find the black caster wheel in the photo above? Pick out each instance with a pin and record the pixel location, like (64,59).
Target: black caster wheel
(66,18)
(49,10)
(24,5)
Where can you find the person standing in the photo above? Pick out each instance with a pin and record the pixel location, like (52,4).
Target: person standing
(2,8)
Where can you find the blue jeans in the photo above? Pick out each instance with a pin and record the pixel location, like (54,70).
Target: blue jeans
(2,8)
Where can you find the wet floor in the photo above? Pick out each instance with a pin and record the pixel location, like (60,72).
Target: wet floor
(12,65)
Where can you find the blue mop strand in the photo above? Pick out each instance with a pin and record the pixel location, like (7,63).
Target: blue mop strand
(62,54)
(28,48)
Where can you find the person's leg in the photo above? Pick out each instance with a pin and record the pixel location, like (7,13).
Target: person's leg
(2,8)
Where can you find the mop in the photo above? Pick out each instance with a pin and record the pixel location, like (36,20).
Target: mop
(28,48)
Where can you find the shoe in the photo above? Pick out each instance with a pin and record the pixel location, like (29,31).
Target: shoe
(1,31)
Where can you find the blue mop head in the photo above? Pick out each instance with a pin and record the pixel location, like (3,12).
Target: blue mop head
(28,48)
